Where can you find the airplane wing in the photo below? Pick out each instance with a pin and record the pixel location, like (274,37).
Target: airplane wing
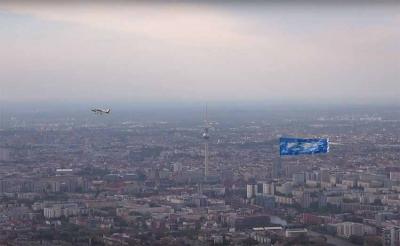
(101,111)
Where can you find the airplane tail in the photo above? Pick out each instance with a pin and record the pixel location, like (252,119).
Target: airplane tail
(108,111)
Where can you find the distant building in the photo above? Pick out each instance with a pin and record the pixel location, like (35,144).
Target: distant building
(266,201)
(391,236)
(305,200)
(285,188)
(298,179)
(295,232)
(261,237)
(64,171)
(311,219)
(324,175)
(383,216)
(269,188)
(259,188)
(395,176)
(200,200)
(250,190)
(277,169)
(348,229)
(5,154)
(284,200)
(177,167)
(312,176)
(248,222)
(349,183)
(59,210)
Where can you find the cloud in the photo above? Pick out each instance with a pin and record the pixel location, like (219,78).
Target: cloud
(199,52)
(187,24)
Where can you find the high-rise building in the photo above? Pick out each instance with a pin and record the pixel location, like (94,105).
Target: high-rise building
(250,190)
(306,200)
(277,169)
(269,188)
(259,188)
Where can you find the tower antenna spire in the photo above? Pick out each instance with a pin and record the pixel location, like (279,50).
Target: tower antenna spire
(206,137)
(206,115)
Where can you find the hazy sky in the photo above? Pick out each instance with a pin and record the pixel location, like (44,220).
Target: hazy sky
(199,52)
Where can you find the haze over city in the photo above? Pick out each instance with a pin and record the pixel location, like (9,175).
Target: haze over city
(200,51)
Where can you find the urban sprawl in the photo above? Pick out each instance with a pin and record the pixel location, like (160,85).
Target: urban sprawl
(113,180)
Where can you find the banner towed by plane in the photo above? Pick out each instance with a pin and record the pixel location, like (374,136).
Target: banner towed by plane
(303,146)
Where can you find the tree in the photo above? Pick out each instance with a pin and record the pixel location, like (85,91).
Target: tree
(373,241)
(356,239)
(249,242)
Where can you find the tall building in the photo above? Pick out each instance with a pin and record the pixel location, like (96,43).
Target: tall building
(250,190)
(269,188)
(391,236)
(259,188)
(277,169)
(306,200)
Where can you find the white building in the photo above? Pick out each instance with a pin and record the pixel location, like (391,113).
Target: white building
(347,229)
(268,188)
(58,210)
(251,190)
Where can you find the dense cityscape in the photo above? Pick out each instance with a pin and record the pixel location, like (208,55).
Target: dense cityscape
(199,123)
(139,178)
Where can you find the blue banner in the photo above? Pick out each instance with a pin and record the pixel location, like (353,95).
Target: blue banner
(303,146)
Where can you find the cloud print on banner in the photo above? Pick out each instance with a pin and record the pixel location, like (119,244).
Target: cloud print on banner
(302,146)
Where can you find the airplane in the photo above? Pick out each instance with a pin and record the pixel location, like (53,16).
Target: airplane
(101,111)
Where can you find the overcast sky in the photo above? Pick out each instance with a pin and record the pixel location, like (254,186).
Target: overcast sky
(199,52)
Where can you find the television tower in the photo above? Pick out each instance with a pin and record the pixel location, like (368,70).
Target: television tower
(206,137)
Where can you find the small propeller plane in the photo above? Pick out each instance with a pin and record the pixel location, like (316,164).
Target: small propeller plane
(101,111)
